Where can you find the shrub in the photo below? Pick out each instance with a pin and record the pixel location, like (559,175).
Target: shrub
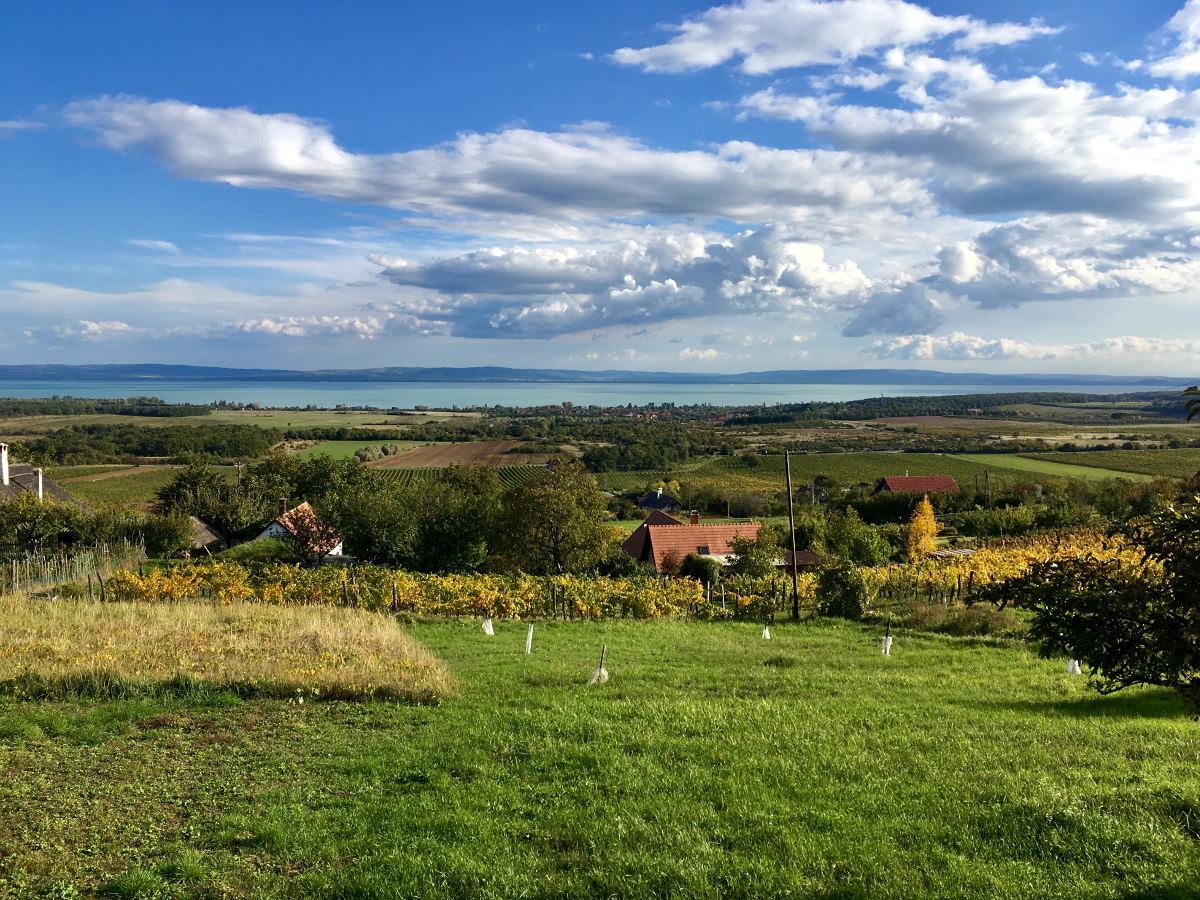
(842,592)
(704,569)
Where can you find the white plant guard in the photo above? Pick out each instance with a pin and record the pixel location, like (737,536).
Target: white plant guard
(600,676)
(487,627)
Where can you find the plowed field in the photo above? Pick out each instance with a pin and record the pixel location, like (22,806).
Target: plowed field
(478,453)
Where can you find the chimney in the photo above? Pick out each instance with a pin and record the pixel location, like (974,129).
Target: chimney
(694,518)
(660,492)
(906,473)
(283,506)
(38,473)
(4,464)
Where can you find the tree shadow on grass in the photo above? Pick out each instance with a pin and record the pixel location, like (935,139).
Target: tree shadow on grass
(1158,703)
(1163,892)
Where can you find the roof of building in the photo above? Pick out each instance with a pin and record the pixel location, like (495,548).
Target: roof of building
(203,536)
(919,484)
(22,479)
(658,500)
(295,520)
(804,559)
(636,541)
(704,540)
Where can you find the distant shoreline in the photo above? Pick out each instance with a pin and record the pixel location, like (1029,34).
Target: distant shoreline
(164,374)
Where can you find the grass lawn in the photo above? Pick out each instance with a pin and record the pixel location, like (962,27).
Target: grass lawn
(712,764)
(346,449)
(1043,466)
(1182,463)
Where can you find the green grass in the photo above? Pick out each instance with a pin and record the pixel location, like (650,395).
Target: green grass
(137,488)
(347,449)
(765,473)
(713,764)
(1050,465)
(1182,463)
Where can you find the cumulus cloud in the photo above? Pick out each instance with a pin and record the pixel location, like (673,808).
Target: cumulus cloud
(768,35)
(541,291)
(578,174)
(1182,58)
(959,346)
(1060,258)
(905,311)
(710,355)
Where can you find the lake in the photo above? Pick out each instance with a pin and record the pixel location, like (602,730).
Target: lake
(445,395)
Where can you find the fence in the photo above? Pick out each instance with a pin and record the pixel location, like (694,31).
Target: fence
(41,572)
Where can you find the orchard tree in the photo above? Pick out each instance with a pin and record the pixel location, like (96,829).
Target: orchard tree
(553,523)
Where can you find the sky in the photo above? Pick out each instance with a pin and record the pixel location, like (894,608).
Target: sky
(654,185)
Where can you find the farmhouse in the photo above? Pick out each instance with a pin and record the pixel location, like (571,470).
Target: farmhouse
(654,545)
(659,500)
(917,484)
(302,522)
(21,478)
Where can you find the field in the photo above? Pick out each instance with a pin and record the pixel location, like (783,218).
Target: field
(347,449)
(139,487)
(1050,464)
(63,473)
(765,473)
(712,764)
(510,476)
(475,453)
(1182,463)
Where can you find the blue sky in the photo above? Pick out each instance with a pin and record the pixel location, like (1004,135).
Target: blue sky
(651,185)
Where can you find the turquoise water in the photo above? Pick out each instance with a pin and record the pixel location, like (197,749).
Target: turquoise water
(463,394)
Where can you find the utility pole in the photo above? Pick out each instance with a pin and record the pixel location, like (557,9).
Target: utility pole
(787,467)
(987,480)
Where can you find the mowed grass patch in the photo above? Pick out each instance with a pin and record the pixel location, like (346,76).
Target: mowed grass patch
(79,649)
(712,764)
(1047,465)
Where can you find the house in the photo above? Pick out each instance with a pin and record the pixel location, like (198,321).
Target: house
(659,500)
(634,543)
(917,484)
(805,560)
(660,543)
(21,478)
(302,522)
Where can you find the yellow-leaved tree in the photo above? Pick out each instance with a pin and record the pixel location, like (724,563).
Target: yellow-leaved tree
(923,529)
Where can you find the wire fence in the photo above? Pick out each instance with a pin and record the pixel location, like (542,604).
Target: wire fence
(37,572)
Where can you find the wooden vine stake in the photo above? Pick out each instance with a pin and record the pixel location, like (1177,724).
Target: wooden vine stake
(887,638)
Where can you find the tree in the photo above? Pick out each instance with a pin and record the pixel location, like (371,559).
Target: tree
(842,592)
(553,523)
(1133,624)
(168,535)
(755,556)
(923,529)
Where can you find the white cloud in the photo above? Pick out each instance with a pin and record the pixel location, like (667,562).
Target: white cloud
(907,310)
(959,346)
(768,35)
(543,291)
(164,246)
(709,355)
(579,174)
(1182,59)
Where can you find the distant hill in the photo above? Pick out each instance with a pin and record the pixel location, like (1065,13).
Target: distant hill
(151,373)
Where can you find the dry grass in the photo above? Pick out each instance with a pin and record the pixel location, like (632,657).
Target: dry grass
(71,648)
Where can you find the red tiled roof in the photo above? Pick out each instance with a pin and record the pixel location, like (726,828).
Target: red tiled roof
(685,539)
(636,542)
(920,484)
(305,517)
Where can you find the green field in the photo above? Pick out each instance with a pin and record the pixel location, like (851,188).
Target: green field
(137,488)
(347,449)
(765,473)
(713,764)
(59,472)
(1049,465)
(1183,463)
